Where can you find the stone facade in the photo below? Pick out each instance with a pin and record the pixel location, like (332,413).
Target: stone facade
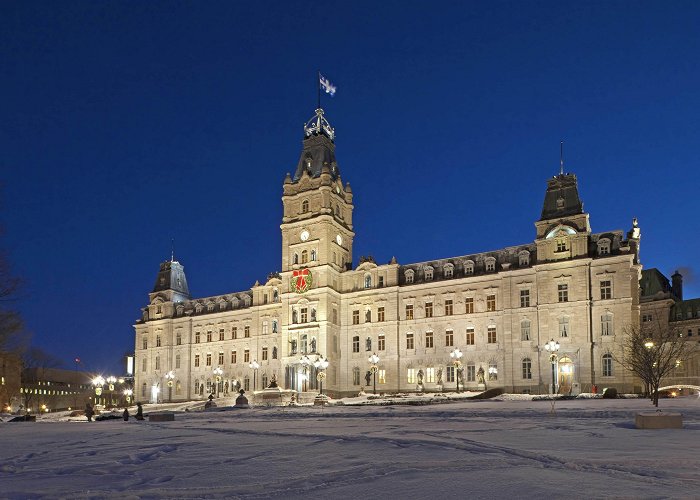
(498,308)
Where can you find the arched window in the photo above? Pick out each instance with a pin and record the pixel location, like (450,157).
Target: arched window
(296,258)
(428,273)
(368,281)
(144,388)
(490,263)
(607,365)
(304,256)
(337,210)
(527,368)
(469,267)
(409,275)
(448,270)
(304,206)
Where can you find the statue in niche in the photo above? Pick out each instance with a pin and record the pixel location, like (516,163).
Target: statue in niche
(368,344)
(313,345)
(313,314)
(439,376)
(294,346)
(368,316)
(368,377)
(274,353)
(480,375)
(294,316)
(420,377)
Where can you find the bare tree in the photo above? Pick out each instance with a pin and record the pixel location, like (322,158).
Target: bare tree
(652,351)
(12,334)
(35,362)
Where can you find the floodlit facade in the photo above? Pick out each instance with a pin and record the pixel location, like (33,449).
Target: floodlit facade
(482,319)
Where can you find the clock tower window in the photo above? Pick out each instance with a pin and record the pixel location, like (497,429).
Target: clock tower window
(304,206)
(304,256)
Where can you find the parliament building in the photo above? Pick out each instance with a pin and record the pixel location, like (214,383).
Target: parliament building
(493,312)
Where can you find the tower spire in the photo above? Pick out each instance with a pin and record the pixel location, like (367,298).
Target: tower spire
(172,249)
(561,158)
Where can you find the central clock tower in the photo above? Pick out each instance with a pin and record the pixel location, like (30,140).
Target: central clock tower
(317,231)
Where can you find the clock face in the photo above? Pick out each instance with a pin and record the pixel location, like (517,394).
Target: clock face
(304,235)
(339,240)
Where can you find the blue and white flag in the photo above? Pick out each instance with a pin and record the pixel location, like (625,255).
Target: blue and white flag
(326,85)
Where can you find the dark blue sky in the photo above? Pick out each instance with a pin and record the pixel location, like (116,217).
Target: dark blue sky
(126,124)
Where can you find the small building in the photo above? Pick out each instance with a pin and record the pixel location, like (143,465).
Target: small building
(51,389)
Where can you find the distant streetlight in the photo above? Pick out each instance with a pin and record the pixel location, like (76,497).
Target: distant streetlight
(456,356)
(170,376)
(321,364)
(218,372)
(127,394)
(254,365)
(374,360)
(98,382)
(552,347)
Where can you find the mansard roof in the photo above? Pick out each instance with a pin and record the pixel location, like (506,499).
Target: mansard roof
(685,309)
(654,282)
(561,198)
(171,276)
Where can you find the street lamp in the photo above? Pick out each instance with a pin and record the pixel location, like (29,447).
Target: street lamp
(374,359)
(127,394)
(218,372)
(456,356)
(111,380)
(253,365)
(98,382)
(305,362)
(170,376)
(321,364)
(552,347)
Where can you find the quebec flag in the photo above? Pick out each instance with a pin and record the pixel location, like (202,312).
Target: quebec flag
(326,85)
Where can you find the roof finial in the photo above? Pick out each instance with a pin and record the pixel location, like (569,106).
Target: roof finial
(172,249)
(561,158)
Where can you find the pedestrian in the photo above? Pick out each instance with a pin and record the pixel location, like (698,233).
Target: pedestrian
(139,411)
(89,412)
(126,414)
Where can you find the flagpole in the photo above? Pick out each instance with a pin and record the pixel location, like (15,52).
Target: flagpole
(318,88)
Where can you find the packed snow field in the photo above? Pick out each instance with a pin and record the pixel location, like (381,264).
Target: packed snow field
(466,449)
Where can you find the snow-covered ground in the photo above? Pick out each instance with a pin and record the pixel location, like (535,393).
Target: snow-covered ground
(466,449)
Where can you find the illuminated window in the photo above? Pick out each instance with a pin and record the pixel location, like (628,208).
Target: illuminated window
(381,376)
(449,338)
(429,339)
(469,305)
(428,309)
(430,375)
(409,340)
(493,370)
(411,376)
(561,245)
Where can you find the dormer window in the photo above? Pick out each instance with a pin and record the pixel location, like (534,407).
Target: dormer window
(159,309)
(428,273)
(469,267)
(448,270)
(304,206)
(210,307)
(410,274)
(561,245)
(490,264)
(524,258)
(604,246)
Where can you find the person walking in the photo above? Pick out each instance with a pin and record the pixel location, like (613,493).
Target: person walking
(139,411)
(89,412)
(126,414)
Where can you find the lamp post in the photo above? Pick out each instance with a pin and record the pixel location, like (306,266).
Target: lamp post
(552,347)
(374,360)
(218,372)
(254,365)
(127,394)
(456,356)
(305,362)
(321,364)
(98,382)
(111,380)
(170,376)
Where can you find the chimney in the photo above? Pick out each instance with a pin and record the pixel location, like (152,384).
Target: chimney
(677,285)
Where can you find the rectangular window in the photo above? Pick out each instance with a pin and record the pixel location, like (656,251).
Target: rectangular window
(304,314)
(409,340)
(356,344)
(334,316)
(233,357)
(265,327)
(208,359)
(525,329)
(524,298)
(145,343)
(246,356)
(563,291)
(646,318)
(605,290)
(157,340)
(469,305)
(221,358)
(381,343)
(246,332)
(607,365)
(430,375)
(561,245)
(381,281)
(234,333)
(196,337)
(606,324)
(450,373)
(527,369)
(208,335)
(428,309)
(381,376)
(490,303)
(196,360)
(221,334)
(448,307)
(178,339)
(449,338)
(356,376)
(411,376)
(470,336)
(144,365)
(471,372)
(264,353)
(564,327)
(246,384)
(493,370)
(429,339)
(356,317)
(409,311)
(380,314)
(491,333)
(177,361)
